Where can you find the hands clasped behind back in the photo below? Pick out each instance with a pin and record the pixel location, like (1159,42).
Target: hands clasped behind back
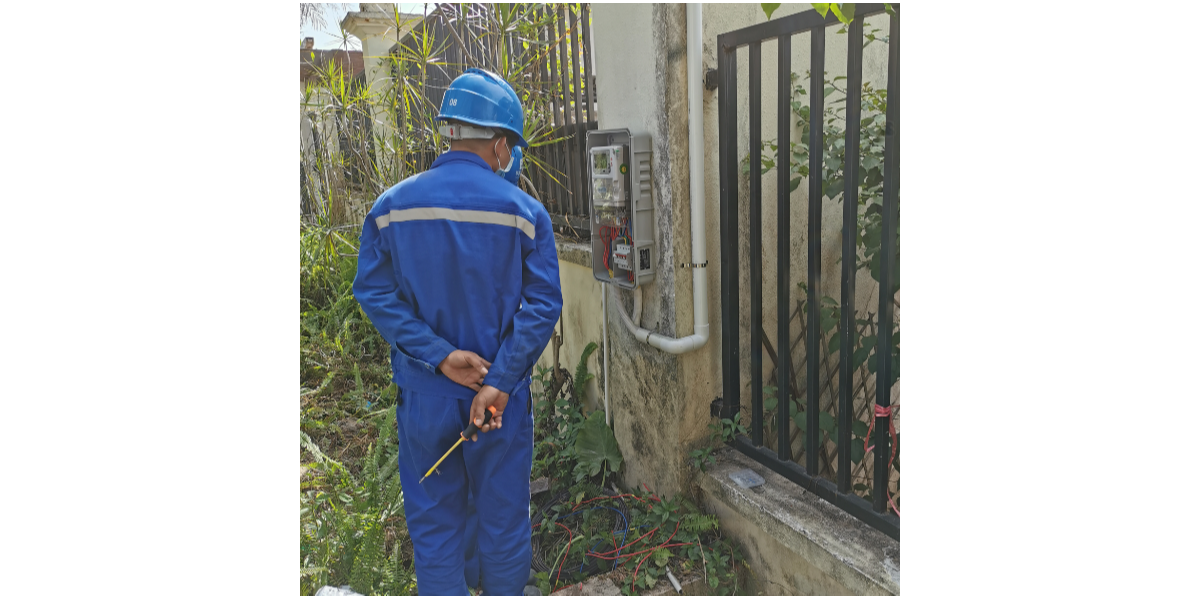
(465,368)
(468,369)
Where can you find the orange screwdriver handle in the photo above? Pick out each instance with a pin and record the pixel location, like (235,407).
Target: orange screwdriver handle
(472,429)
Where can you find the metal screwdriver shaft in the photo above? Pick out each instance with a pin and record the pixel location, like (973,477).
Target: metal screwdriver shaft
(462,437)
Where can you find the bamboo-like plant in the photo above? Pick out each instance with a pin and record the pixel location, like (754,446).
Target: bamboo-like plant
(370,135)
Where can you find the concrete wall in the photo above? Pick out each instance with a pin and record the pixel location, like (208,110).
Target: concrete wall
(580,322)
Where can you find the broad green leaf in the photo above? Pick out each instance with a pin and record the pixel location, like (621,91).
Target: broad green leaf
(768,9)
(859,428)
(822,9)
(834,187)
(860,355)
(661,557)
(800,418)
(828,91)
(856,453)
(846,14)
(796,183)
(597,444)
(770,402)
(826,422)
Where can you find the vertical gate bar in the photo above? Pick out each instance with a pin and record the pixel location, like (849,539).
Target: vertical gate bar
(727,143)
(849,250)
(547,188)
(784,236)
(569,149)
(579,164)
(586,21)
(887,280)
(555,149)
(812,350)
(756,386)
(575,66)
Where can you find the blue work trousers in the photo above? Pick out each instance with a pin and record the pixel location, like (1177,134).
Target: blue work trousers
(493,473)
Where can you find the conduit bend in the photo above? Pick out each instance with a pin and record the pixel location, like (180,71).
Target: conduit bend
(695,64)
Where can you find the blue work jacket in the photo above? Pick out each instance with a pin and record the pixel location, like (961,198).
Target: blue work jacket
(458,258)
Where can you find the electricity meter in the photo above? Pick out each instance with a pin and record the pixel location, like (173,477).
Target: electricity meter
(622,209)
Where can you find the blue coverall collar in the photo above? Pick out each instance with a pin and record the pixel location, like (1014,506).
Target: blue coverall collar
(461,155)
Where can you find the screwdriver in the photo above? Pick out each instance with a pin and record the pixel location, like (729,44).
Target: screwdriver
(462,437)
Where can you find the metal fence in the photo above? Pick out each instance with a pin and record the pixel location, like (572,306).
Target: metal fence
(562,83)
(780,459)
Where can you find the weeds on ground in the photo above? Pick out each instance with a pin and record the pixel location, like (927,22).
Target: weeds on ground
(352,529)
(588,527)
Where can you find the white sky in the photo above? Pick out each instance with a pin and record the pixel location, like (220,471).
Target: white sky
(330,37)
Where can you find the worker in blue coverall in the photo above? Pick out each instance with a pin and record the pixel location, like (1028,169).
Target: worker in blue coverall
(459,273)
(513,176)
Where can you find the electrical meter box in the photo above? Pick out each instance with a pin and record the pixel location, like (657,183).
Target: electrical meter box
(622,207)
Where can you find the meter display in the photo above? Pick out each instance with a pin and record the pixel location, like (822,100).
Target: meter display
(600,162)
(608,181)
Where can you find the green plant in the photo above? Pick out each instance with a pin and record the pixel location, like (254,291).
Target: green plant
(352,526)
(596,447)
(725,430)
(582,376)
(844,12)
(558,421)
(639,536)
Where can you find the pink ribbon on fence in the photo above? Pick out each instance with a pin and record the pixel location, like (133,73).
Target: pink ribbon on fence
(883,411)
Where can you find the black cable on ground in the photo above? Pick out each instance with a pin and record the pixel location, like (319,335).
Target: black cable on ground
(590,565)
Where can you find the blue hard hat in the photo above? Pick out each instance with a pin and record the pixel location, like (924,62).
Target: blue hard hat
(482,98)
(513,175)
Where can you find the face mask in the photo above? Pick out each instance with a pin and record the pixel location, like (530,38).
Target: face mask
(511,159)
(513,174)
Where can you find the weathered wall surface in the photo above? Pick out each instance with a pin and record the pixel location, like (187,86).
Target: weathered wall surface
(580,322)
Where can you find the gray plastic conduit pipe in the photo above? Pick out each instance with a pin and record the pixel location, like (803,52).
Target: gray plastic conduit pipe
(695,64)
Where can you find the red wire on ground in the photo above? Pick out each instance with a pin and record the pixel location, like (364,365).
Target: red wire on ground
(884,411)
(639,565)
(570,535)
(652,494)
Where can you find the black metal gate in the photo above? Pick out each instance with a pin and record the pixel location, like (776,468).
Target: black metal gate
(841,494)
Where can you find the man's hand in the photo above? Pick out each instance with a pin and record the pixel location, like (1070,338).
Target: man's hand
(465,368)
(488,396)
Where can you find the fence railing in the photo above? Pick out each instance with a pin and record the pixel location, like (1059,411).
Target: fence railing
(864,217)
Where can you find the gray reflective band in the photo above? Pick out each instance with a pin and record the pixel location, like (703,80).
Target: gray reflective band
(463,131)
(462,216)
